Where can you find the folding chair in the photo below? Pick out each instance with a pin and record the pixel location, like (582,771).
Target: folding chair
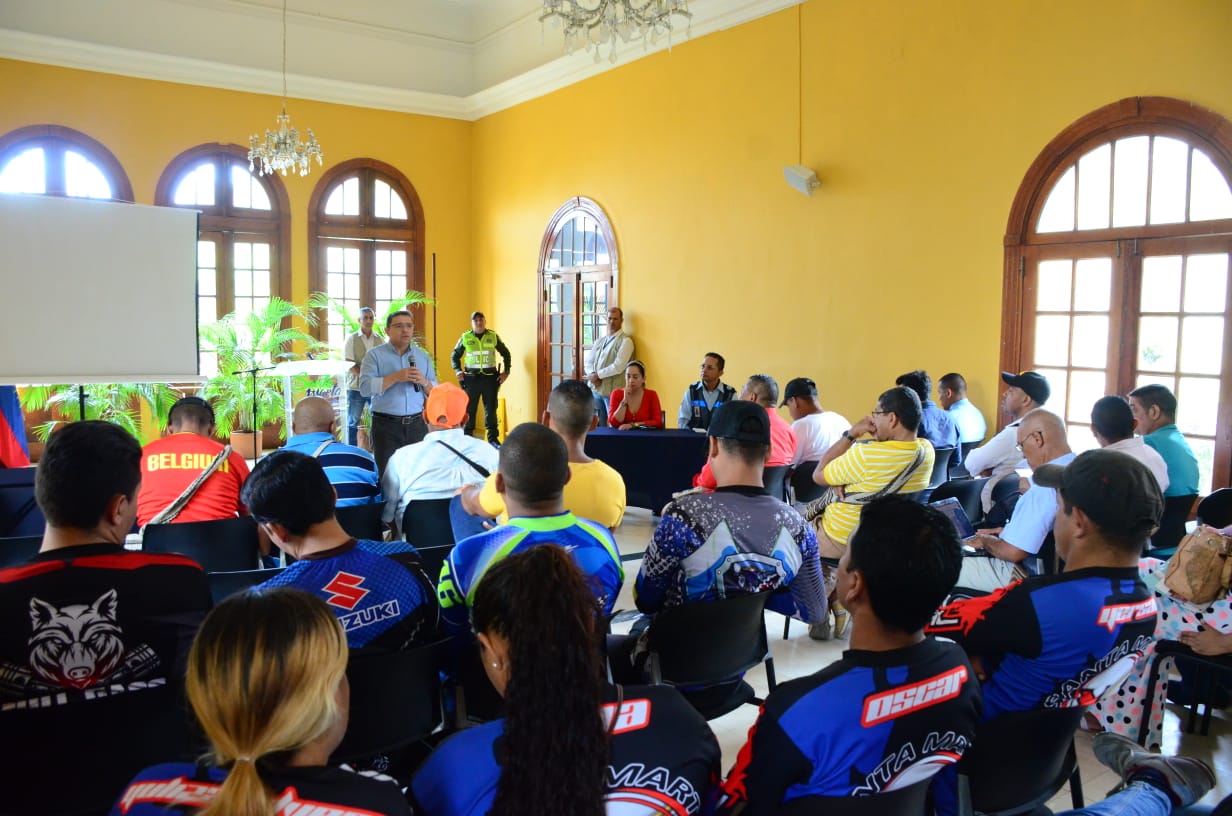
(1171,526)
(425,523)
(803,488)
(362,520)
(224,545)
(774,479)
(1202,671)
(18,550)
(1019,761)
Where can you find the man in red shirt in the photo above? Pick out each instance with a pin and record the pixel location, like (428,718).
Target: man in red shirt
(762,389)
(169,465)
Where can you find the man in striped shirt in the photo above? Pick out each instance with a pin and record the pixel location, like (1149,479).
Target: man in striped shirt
(351,470)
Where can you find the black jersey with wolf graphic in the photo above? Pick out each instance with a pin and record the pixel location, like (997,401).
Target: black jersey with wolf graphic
(868,723)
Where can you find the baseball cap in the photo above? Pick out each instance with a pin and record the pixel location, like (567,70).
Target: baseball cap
(741,419)
(1032,382)
(446,405)
(799,387)
(1117,491)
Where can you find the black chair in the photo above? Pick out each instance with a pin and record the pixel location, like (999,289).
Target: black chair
(477,699)
(802,485)
(225,584)
(941,466)
(18,550)
(19,512)
(433,558)
(774,479)
(425,523)
(362,520)
(1171,526)
(967,491)
(1018,761)
(225,545)
(709,644)
(958,470)
(395,700)
(1203,672)
(1216,509)
(909,801)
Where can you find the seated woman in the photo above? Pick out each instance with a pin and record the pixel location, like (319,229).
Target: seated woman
(568,743)
(635,405)
(267,681)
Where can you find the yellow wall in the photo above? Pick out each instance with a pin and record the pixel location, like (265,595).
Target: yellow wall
(920,118)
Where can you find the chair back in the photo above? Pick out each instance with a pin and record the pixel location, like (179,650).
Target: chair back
(802,485)
(909,801)
(1172,525)
(223,545)
(395,700)
(225,584)
(1216,509)
(433,558)
(362,520)
(704,643)
(1018,761)
(425,523)
(967,491)
(20,514)
(774,479)
(18,550)
(941,466)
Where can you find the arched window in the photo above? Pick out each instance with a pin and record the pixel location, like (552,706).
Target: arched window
(54,160)
(243,255)
(366,228)
(577,278)
(1118,267)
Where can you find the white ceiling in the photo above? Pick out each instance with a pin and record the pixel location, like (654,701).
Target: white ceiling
(458,58)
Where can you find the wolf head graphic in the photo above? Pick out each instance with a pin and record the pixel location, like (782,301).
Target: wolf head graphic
(78,645)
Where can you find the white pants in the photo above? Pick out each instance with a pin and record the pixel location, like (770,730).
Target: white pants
(987,574)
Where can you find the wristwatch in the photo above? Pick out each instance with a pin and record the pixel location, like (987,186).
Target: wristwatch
(847,435)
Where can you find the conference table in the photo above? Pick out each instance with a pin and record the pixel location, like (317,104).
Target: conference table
(654,464)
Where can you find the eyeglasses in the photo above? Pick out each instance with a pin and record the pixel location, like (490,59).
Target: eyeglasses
(879,413)
(1023,441)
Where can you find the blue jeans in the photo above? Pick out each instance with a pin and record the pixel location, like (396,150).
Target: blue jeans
(355,410)
(1138,799)
(601,409)
(464,524)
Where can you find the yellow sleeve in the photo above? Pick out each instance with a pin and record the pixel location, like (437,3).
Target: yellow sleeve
(490,500)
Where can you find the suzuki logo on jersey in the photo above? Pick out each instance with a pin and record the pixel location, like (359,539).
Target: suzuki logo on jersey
(1111,617)
(344,590)
(889,705)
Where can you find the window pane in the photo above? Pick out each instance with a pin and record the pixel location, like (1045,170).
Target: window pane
(1197,405)
(1057,381)
(205,253)
(1054,286)
(25,173)
(1093,285)
(334,285)
(1094,188)
(1204,449)
(333,259)
(333,204)
(261,256)
(1129,174)
(1090,347)
(1201,345)
(602,256)
(1169,171)
(246,190)
(1161,283)
(1155,379)
(1052,340)
(1080,437)
(1157,343)
(1209,196)
(1206,283)
(380,202)
(1085,388)
(1058,212)
(243,255)
(83,178)
(196,188)
(207,281)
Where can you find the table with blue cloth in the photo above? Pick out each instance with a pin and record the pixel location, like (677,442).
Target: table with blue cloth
(654,464)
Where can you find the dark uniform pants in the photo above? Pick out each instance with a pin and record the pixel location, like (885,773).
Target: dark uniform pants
(479,385)
(391,432)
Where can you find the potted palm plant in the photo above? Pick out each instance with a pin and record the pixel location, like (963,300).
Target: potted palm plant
(119,403)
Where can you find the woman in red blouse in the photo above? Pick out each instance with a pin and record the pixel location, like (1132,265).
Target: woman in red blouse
(635,405)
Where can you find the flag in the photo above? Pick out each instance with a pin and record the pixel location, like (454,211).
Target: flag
(13,450)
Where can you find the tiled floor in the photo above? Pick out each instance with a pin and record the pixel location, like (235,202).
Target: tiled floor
(798,656)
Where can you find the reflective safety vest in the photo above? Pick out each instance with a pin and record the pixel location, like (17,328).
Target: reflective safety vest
(701,413)
(480,352)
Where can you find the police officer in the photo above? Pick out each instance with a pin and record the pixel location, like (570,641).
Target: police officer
(474,361)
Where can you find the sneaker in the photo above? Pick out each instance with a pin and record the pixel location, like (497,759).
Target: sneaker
(842,621)
(822,630)
(1187,779)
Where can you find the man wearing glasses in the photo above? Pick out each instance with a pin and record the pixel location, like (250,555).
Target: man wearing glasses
(397,375)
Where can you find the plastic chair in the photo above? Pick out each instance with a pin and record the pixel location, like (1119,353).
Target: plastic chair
(433,558)
(362,520)
(1216,509)
(712,643)
(395,700)
(1019,761)
(1171,526)
(1202,671)
(224,545)
(941,466)
(959,470)
(225,584)
(20,514)
(967,491)
(803,487)
(18,550)
(774,479)
(425,523)
(909,801)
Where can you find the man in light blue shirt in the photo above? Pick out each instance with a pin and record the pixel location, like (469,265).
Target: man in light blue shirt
(1154,409)
(397,375)
(952,394)
(351,470)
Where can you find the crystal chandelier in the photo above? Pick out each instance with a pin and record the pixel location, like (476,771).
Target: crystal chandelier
(282,150)
(592,28)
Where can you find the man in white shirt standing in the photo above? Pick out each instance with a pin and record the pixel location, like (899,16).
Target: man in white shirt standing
(952,394)
(1113,424)
(608,358)
(816,429)
(354,349)
(999,456)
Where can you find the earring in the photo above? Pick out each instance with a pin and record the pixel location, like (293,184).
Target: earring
(496,665)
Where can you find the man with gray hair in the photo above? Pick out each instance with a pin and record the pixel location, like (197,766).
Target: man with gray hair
(354,349)
(608,358)
(763,390)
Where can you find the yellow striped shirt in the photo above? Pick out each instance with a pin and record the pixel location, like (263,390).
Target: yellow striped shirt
(866,468)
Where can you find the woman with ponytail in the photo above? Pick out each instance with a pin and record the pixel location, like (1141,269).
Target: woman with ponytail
(267,681)
(569,743)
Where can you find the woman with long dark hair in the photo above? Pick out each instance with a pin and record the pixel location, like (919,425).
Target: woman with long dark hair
(568,743)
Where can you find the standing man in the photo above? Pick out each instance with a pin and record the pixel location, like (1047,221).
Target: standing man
(1000,455)
(356,346)
(474,361)
(705,395)
(608,358)
(397,375)
(1154,409)
(952,394)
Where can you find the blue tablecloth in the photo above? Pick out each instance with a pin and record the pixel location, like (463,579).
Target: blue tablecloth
(654,464)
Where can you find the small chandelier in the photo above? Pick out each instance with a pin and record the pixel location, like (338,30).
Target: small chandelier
(592,28)
(282,150)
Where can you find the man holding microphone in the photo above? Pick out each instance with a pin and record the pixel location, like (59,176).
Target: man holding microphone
(397,375)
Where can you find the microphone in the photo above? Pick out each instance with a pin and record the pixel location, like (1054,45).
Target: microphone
(410,363)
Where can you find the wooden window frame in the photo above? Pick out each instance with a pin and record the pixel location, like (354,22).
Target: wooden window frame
(23,138)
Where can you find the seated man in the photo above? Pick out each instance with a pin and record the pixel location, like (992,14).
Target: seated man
(936,424)
(531,477)
(1112,424)
(702,397)
(998,457)
(816,429)
(1042,440)
(898,706)
(351,470)
(1154,410)
(171,464)
(952,395)
(447,459)
(763,390)
(594,491)
(377,589)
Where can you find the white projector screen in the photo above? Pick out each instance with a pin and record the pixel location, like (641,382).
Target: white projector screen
(96,291)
